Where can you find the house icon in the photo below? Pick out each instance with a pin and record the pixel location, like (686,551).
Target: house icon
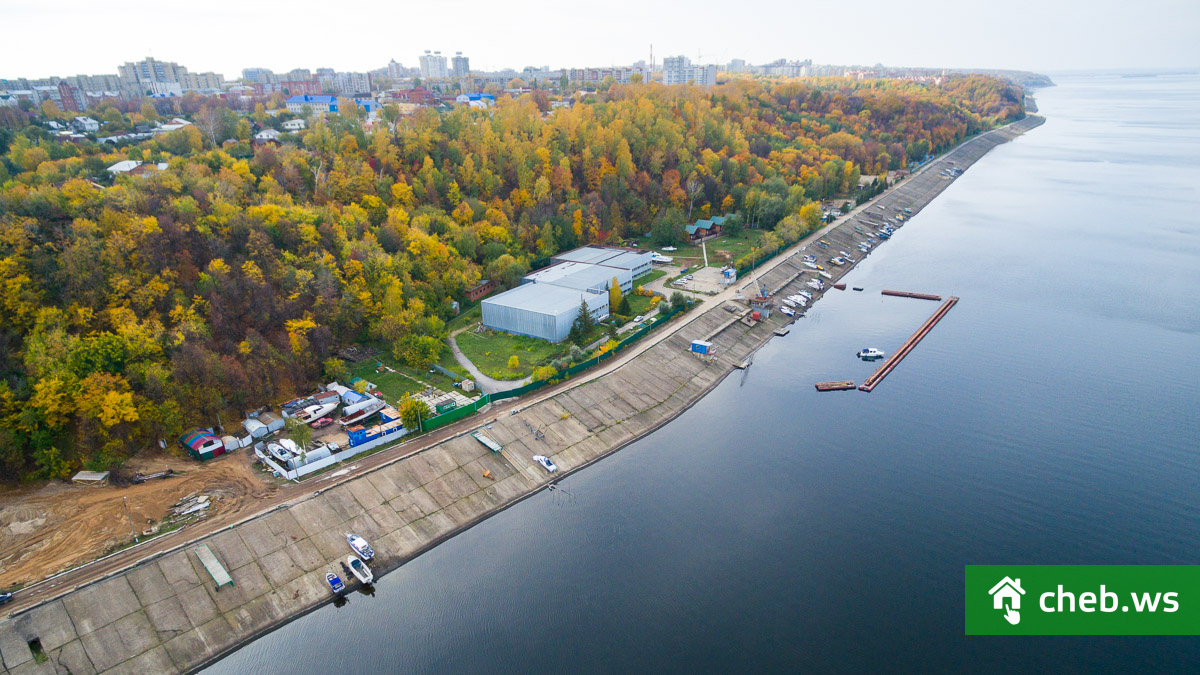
(1007,589)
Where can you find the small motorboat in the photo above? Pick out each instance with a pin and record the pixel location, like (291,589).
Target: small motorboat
(360,570)
(870,354)
(360,546)
(810,265)
(806,294)
(335,582)
(810,258)
(549,466)
(813,284)
(789,302)
(825,274)
(787,311)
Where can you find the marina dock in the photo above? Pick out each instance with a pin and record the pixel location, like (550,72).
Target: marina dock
(895,359)
(918,296)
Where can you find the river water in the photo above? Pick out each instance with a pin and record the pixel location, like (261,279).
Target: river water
(1050,418)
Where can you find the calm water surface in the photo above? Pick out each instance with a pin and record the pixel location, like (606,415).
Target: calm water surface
(1051,418)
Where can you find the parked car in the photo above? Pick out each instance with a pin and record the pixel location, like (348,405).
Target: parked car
(639,318)
(322,423)
(5,597)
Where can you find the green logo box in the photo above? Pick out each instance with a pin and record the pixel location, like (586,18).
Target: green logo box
(1082,599)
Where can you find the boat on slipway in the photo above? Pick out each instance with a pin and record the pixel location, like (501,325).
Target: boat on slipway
(360,570)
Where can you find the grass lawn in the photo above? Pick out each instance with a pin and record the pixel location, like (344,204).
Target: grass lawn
(491,350)
(638,304)
(393,386)
(736,247)
(645,279)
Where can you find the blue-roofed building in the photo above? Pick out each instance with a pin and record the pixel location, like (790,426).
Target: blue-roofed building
(321,104)
(545,310)
(476,100)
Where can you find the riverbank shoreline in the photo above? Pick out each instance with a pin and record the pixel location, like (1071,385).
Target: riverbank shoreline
(166,612)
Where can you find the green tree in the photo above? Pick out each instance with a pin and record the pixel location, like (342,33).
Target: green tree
(583,325)
(298,431)
(413,412)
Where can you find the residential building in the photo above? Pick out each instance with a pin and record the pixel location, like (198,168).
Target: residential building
(679,70)
(395,71)
(151,70)
(462,65)
(86,124)
(597,75)
(704,229)
(294,125)
(202,81)
(433,66)
(261,75)
(268,135)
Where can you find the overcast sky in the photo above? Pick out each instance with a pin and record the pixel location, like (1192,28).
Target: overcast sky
(68,37)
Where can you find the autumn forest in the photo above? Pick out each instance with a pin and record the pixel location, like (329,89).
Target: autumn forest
(138,306)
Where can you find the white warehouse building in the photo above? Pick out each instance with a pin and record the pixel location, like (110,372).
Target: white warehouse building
(545,311)
(546,303)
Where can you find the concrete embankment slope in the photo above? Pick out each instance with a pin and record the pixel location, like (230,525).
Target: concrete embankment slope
(165,615)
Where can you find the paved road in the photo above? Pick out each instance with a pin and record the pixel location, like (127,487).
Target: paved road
(296,492)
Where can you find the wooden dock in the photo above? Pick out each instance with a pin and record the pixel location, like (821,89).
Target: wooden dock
(918,296)
(841,385)
(894,360)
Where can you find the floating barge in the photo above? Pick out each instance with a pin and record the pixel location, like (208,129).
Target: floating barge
(918,296)
(894,360)
(841,385)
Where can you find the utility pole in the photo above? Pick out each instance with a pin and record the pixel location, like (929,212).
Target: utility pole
(132,529)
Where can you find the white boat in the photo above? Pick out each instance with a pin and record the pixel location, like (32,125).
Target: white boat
(810,265)
(359,569)
(813,284)
(360,546)
(789,302)
(825,274)
(548,465)
(787,311)
(315,412)
(870,354)
(806,294)
(810,258)
(279,453)
(360,411)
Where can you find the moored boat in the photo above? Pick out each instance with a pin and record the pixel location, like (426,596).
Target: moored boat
(360,546)
(870,354)
(360,570)
(335,582)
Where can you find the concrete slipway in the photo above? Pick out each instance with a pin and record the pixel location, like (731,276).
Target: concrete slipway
(165,615)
